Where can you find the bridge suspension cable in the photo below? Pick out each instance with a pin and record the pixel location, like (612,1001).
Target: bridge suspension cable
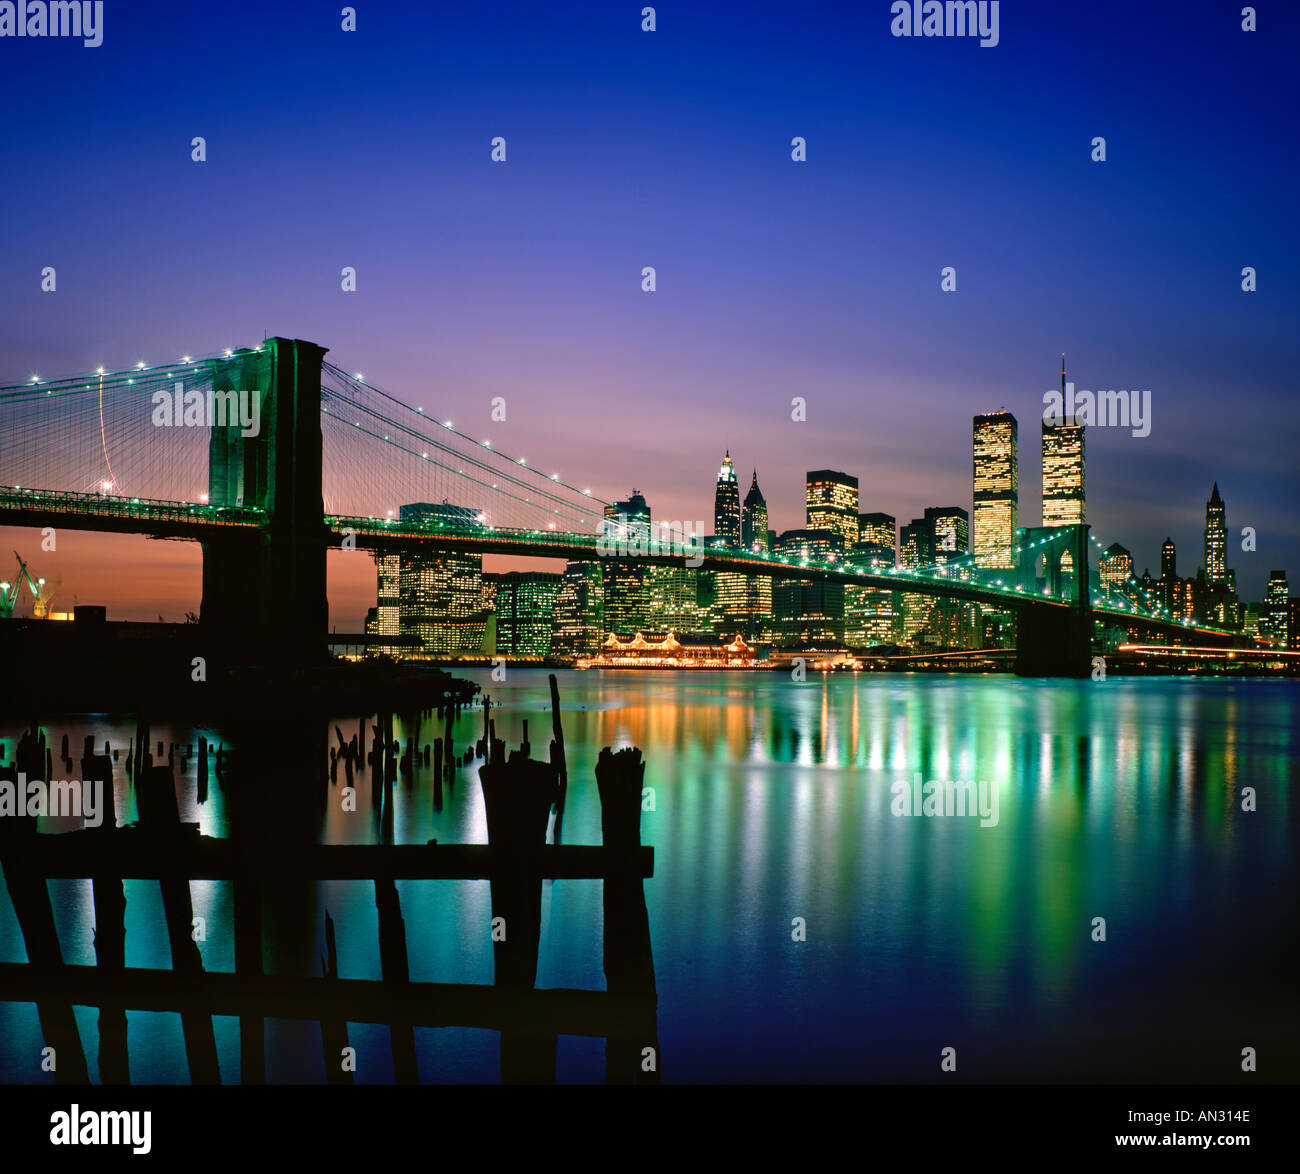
(407,457)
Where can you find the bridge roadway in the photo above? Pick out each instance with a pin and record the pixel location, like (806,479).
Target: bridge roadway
(194,521)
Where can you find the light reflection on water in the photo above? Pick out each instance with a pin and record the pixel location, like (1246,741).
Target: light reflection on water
(773,801)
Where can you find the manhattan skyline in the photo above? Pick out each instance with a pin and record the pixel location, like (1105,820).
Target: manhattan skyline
(775,279)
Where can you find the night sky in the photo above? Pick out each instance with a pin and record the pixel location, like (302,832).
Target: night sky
(672,149)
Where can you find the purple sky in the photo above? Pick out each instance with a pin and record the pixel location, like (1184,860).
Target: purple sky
(775,279)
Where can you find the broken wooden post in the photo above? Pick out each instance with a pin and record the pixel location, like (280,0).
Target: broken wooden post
(248,964)
(333,1032)
(394,969)
(632,1048)
(31,901)
(160,816)
(558,759)
(517,795)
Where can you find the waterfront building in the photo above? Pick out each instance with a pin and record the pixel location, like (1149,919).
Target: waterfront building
(915,549)
(627,524)
(672,600)
(524,603)
(672,651)
(872,613)
(808,613)
(387,618)
(1274,619)
(440,593)
(578,621)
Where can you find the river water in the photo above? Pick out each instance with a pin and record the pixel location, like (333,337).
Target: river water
(775,801)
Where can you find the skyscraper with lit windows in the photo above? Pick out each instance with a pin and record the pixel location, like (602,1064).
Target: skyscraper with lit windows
(730,591)
(831,501)
(625,604)
(1273,620)
(996,489)
(870,613)
(726,505)
(756,537)
(808,612)
(1216,539)
(1063,470)
(1115,569)
(880,531)
(440,593)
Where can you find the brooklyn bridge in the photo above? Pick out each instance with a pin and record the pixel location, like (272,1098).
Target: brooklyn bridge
(330,461)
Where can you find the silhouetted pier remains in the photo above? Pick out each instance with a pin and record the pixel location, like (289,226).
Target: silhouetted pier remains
(520,795)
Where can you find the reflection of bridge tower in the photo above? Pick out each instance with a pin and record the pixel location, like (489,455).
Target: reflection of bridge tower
(1055,641)
(266,589)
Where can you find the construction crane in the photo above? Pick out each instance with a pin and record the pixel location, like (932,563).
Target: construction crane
(37,588)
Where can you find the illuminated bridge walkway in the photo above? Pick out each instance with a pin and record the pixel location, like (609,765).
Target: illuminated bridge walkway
(306,456)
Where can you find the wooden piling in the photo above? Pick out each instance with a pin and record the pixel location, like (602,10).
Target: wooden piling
(517,795)
(333,1032)
(31,902)
(394,968)
(160,815)
(248,963)
(558,759)
(628,958)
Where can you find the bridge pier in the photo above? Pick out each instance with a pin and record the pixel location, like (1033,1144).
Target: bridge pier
(1053,644)
(264,593)
(1057,641)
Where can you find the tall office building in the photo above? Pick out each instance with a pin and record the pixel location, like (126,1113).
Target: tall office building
(807,613)
(915,549)
(524,602)
(626,611)
(1273,620)
(440,594)
(730,594)
(387,620)
(949,534)
(1216,539)
(1116,569)
(996,489)
(578,621)
(1063,444)
(726,505)
(1167,587)
(879,530)
(753,527)
(672,601)
(1168,560)
(952,623)
(627,521)
(831,501)
(756,537)
(871,613)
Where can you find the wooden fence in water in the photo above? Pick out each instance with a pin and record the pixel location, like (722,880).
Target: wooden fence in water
(519,794)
